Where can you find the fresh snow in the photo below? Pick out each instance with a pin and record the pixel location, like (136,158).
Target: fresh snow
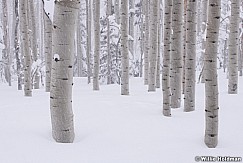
(111,128)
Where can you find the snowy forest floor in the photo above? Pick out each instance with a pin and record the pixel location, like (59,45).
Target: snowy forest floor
(111,128)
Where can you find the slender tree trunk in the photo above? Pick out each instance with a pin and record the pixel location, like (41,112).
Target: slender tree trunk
(190,64)
(16,43)
(153,51)
(6,42)
(184,48)
(131,26)
(233,47)
(211,81)
(88,38)
(108,14)
(117,11)
(166,59)
(146,43)
(204,32)
(25,46)
(159,48)
(124,48)
(65,18)
(48,50)
(79,47)
(97,47)
(176,55)
(33,36)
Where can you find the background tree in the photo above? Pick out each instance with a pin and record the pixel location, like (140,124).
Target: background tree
(64,22)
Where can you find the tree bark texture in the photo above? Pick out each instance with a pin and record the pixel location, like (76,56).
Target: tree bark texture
(64,22)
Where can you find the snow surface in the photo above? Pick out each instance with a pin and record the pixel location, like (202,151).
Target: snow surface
(111,128)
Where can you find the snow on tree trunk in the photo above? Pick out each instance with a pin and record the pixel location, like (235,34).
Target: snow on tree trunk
(233,47)
(124,48)
(131,26)
(146,43)
(25,47)
(33,36)
(204,30)
(48,50)
(176,53)
(153,51)
(79,47)
(6,41)
(88,38)
(211,81)
(190,62)
(166,58)
(97,47)
(64,22)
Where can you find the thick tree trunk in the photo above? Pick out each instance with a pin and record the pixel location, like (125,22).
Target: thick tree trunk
(48,50)
(190,62)
(65,18)
(233,47)
(211,81)
(25,46)
(124,48)
(176,55)
(159,48)
(97,47)
(153,51)
(166,59)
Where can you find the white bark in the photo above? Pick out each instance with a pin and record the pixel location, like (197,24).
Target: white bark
(159,48)
(117,11)
(176,53)
(211,81)
(153,51)
(97,47)
(48,50)
(108,14)
(79,47)
(33,36)
(65,18)
(88,38)
(146,42)
(131,26)
(190,61)
(233,47)
(6,42)
(25,46)
(166,58)
(124,48)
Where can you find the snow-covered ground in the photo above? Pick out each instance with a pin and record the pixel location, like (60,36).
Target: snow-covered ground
(116,129)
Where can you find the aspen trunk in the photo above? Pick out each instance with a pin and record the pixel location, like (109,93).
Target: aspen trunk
(25,46)
(124,48)
(65,18)
(233,47)
(88,38)
(190,62)
(211,81)
(166,59)
(153,51)
(97,47)
(108,14)
(48,50)
(176,53)
(146,43)
(131,26)
(159,48)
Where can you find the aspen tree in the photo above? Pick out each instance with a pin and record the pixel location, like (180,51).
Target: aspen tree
(97,47)
(124,48)
(166,59)
(108,14)
(64,22)
(233,47)
(131,26)
(88,38)
(211,80)
(190,62)
(146,43)
(25,46)
(176,53)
